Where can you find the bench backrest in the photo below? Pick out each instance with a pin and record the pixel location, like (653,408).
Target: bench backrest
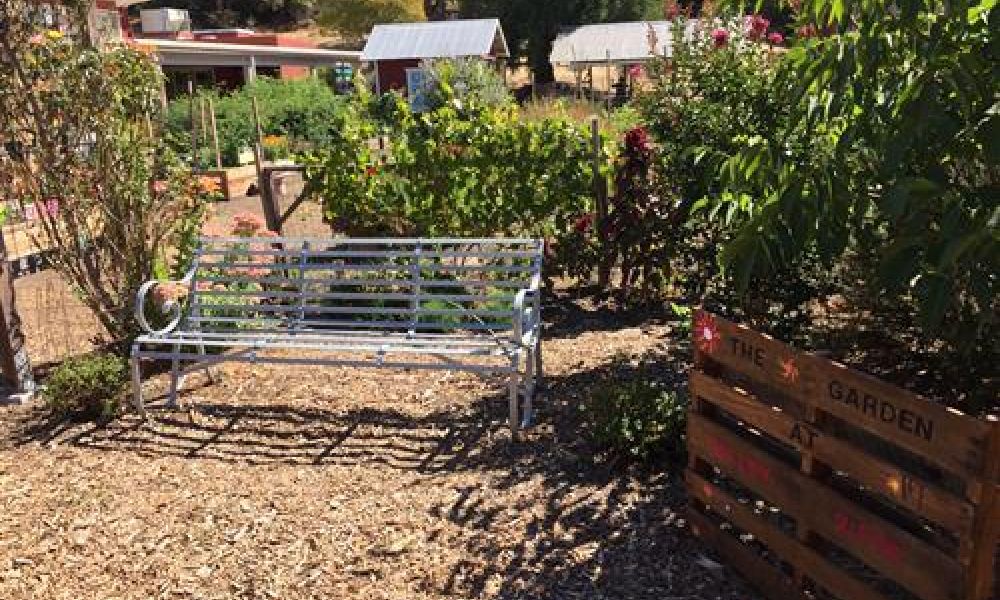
(424,285)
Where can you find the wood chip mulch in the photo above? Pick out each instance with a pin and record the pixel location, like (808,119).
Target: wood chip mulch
(338,483)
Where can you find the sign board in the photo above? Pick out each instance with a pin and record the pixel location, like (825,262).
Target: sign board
(416,90)
(849,460)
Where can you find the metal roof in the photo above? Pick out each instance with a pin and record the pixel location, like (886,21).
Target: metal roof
(195,53)
(621,42)
(436,39)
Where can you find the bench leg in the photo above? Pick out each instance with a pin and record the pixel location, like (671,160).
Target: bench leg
(175,367)
(514,400)
(213,377)
(529,391)
(539,373)
(140,406)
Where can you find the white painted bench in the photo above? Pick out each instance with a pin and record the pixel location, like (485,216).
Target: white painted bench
(452,304)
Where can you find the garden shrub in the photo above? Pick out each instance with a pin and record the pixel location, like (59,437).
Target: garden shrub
(301,111)
(469,81)
(457,172)
(81,147)
(87,387)
(637,419)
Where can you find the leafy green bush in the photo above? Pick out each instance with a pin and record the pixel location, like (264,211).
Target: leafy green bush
(637,419)
(451,172)
(88,387)
(470,81)
(303,111)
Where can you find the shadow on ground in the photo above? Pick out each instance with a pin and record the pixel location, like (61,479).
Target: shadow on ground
(581,528)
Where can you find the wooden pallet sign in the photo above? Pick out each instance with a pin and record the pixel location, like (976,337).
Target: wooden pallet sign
(812,478)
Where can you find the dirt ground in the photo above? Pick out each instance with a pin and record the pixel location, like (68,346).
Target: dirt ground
(340,483)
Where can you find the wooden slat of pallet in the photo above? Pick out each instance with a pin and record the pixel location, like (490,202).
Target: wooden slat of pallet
(894,483)
(761,574)
(982,566)
(746,351)
(913,563)
(942,436)
(805,559)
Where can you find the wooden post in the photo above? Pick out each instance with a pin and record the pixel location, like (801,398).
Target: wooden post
(607,78)
(601,202)
(258,147)
(579,84)
(534,94)
(980,573)
(203,108)
(271,215)
(215,134)
(14,363)
(194,127)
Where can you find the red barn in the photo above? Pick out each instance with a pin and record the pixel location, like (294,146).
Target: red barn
(395,49)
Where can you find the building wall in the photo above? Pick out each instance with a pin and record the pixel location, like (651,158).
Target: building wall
(392,74)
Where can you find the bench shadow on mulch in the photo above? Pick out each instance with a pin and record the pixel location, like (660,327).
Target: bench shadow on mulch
(596,528)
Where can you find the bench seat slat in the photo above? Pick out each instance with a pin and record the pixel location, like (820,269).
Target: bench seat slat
(407,297)
(334,282)
(292,254)
(354,310)
(314,324)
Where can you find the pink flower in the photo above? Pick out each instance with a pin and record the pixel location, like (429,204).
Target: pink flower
(720,37)
(169,292)
(37,39)
(775,38)
(247,224)
(757,26)
(635,71)
(213,230)
(160,187)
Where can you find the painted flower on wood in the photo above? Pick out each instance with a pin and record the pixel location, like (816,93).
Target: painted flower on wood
(789,370)
(706,333)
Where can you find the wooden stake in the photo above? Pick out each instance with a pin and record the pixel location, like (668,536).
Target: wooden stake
(607,77)
(215,134)
(534,94)
(202,107)
(601,201)
(194,127)
(258,147)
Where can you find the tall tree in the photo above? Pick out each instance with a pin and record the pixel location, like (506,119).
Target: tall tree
(354,19)
(532,26)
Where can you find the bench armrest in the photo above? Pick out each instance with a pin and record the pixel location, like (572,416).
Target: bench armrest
(171,306)
(528,313)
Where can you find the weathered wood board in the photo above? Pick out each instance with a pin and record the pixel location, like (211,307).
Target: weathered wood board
(915,485)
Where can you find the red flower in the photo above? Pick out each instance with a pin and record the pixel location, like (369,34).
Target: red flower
(671,9)
(635,71)
(757,26)
(371,171)
(706,333)
(720,37)
(776,39)
(637,140)
(584,223)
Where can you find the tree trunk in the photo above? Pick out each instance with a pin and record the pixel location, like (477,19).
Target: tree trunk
(14,363)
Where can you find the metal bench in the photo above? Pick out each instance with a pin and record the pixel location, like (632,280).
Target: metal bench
(452,304)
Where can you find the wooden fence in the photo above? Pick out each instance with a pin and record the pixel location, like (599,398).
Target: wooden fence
(817,481)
